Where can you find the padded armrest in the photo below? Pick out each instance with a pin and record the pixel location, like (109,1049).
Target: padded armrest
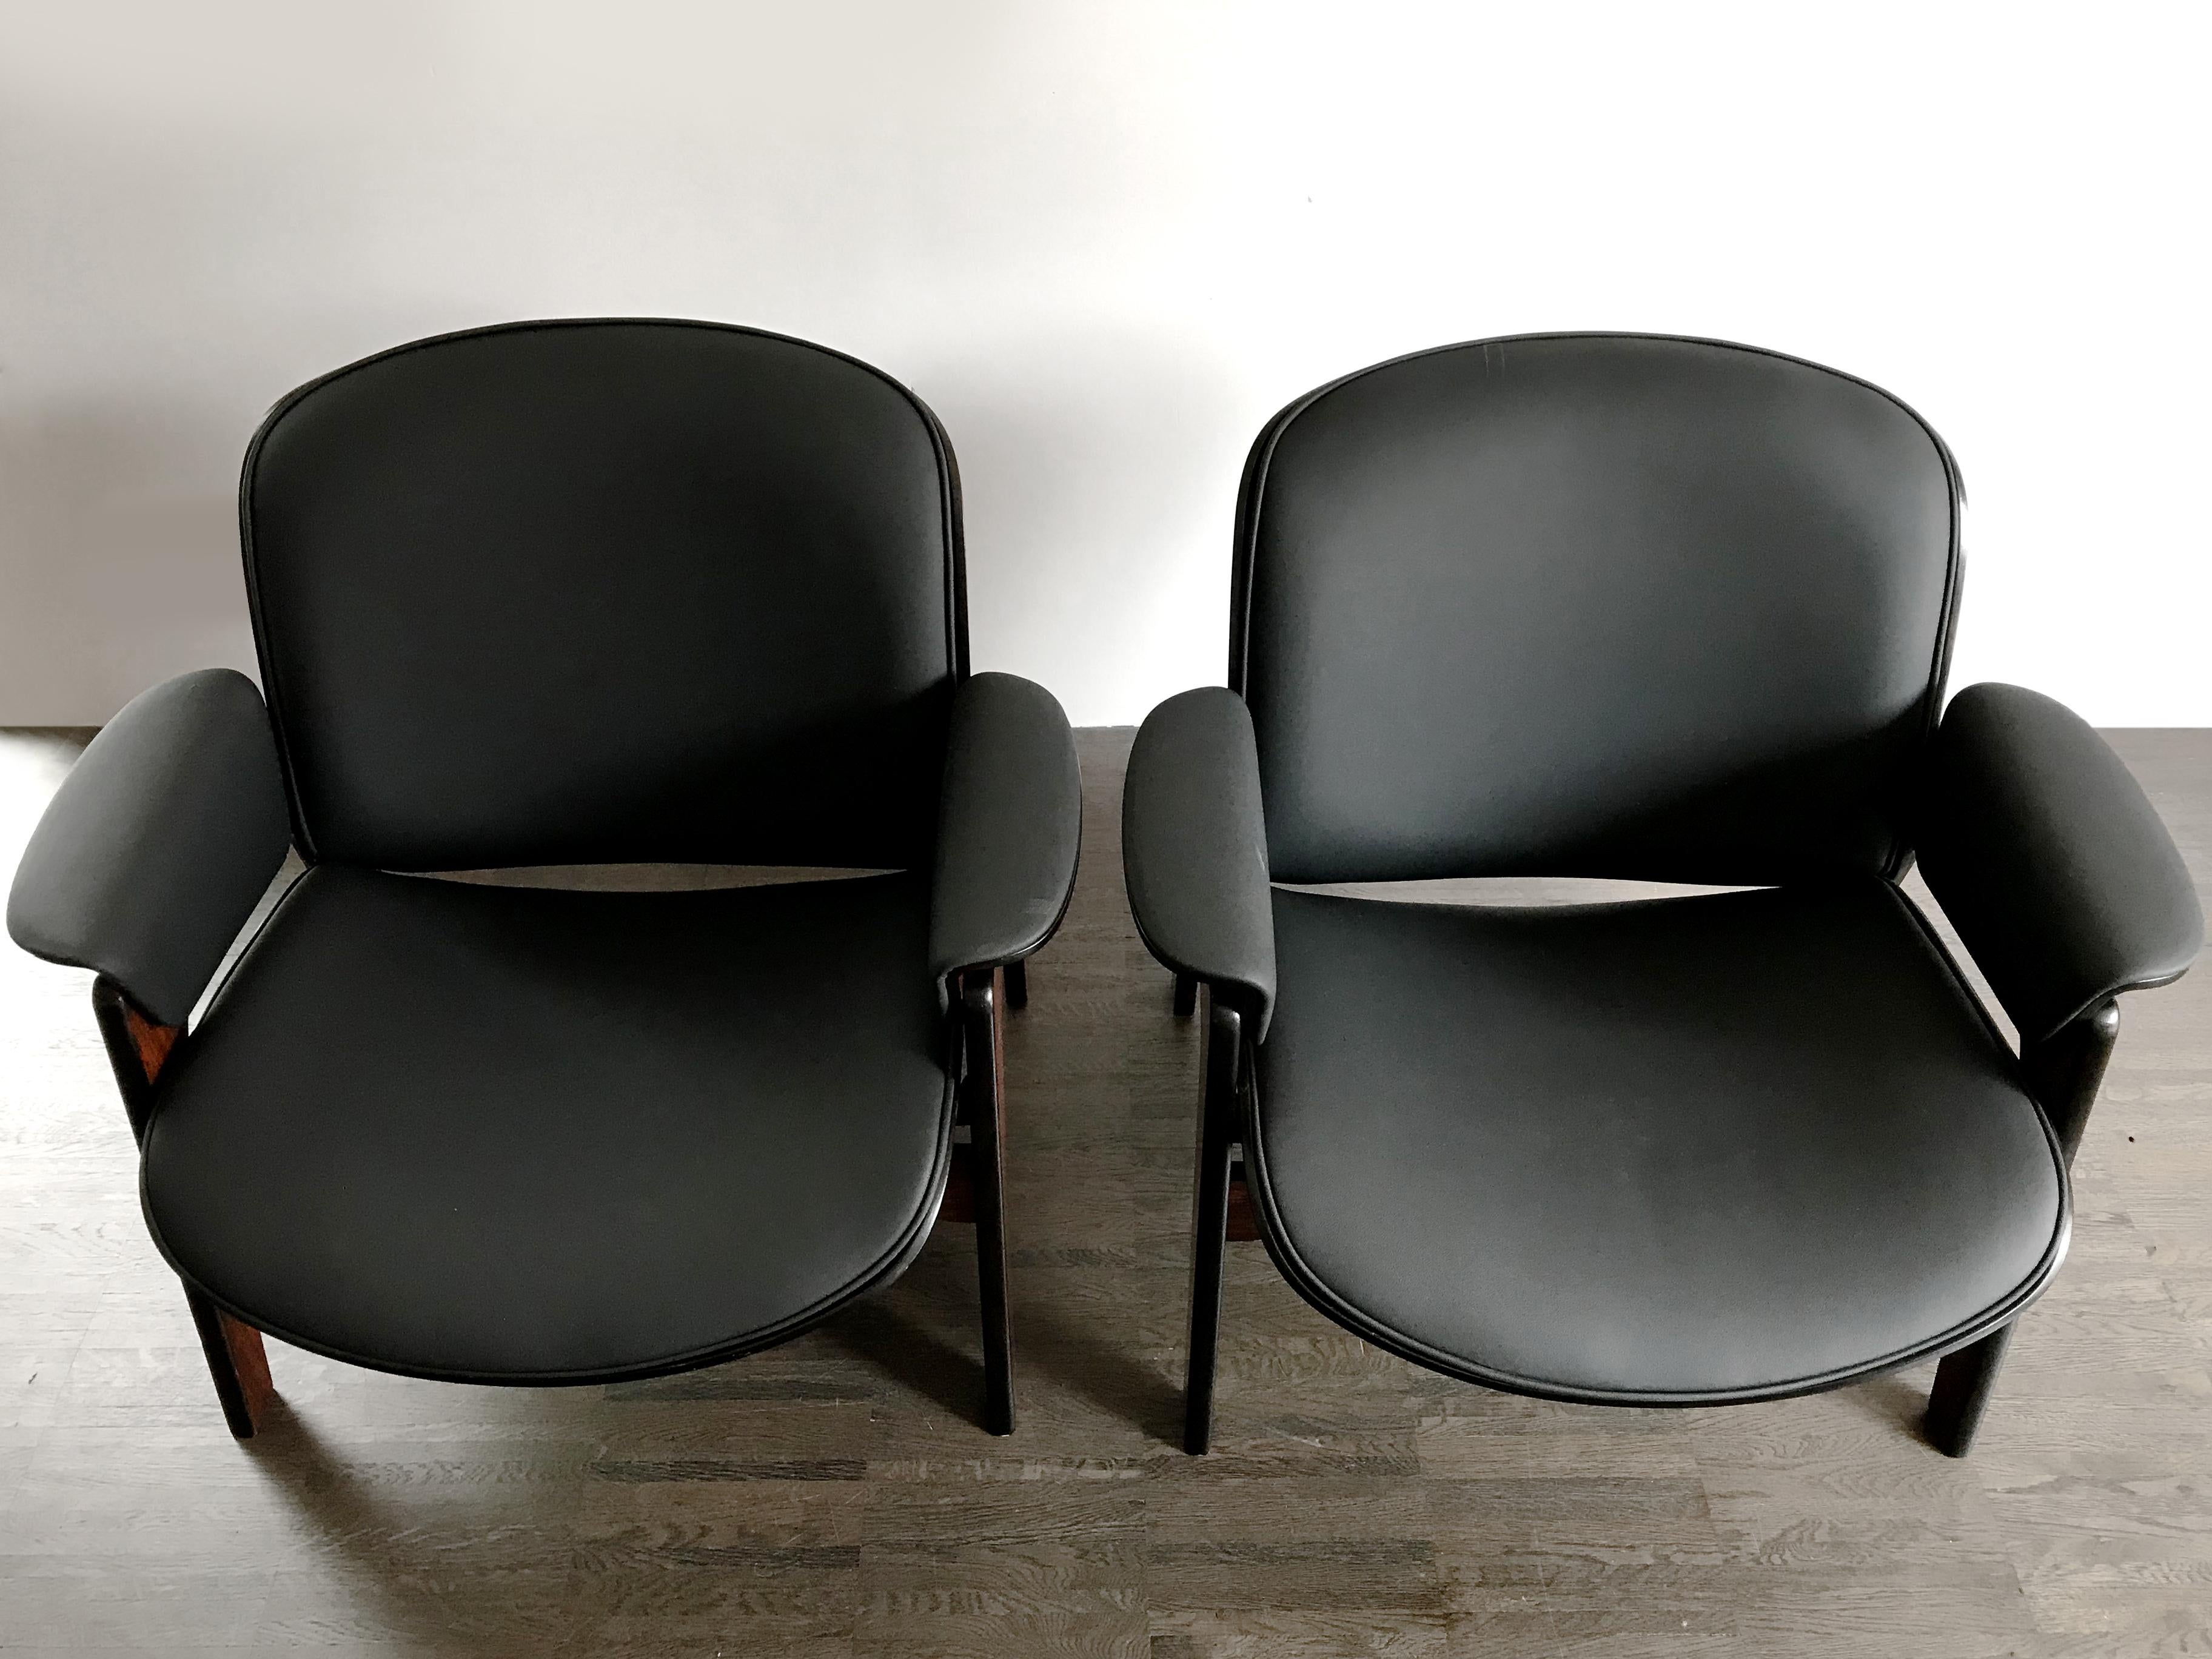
(154,850)
(2050,861)
(1010,824)
(1195,847)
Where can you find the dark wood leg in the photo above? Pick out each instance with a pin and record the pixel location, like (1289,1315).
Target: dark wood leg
(1186,995)
(986,1162)
(1963,1382)
(138,1049)
(1210,1222)
(2067,1069)
(1018,985)
(959,1203)
(237,1362)
(2064,1072)
(1243,1220)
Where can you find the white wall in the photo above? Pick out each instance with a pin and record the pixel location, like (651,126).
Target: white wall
(1105,241)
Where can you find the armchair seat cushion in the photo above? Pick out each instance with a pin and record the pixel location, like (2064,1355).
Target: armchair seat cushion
(516,1135)
(1683,1151)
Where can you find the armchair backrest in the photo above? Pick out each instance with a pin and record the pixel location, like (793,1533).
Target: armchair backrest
(1592,604)
(606,592)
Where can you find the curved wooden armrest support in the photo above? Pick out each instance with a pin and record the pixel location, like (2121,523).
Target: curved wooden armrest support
(138,1048)
(984,1095)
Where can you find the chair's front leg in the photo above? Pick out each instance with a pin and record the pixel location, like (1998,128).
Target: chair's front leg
(138,1049)
(986,1074)
(1217,1130)
(237,1362)
(2063,1072)
(1963,1380)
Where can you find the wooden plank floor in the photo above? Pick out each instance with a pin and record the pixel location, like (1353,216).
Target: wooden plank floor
(836,1497)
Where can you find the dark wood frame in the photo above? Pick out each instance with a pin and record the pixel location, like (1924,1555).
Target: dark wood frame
(1221,1066)
(138,1047)
(2063,1073)
(984,1107)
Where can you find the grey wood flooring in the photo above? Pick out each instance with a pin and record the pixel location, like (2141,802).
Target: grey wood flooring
(834,1497)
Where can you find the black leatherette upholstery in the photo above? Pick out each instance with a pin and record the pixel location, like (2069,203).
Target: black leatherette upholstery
(1195,847)
(523,1135)
(164,835)
(1591,605)
(1697,1149)
(596,591)
(1010,825)
(2050,860)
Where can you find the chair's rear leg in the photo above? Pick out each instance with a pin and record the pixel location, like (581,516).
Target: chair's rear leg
(1186,995)
(138,1049)
(2063,1072)
(1210,1222)
(987,1159)
(1018,985)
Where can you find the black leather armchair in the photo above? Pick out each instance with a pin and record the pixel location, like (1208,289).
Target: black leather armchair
(1655,608)
(563,593)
